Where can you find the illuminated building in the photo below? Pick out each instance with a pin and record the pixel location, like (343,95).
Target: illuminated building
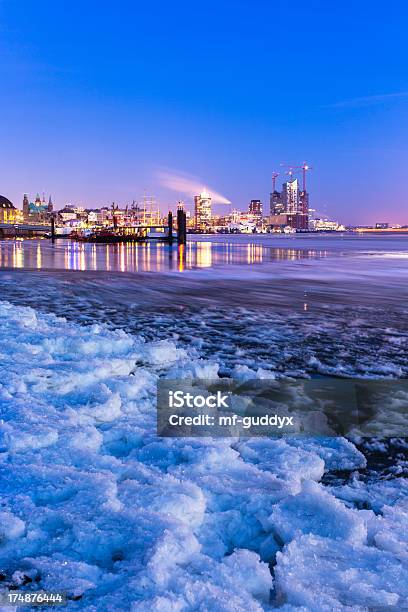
(285,207)
(255,208)
(92,218)
(39,206)
(102,216)
(325,225)
(68,213)
(279,222)
(202,211)
(276,206)
(290,197)
(292,204)
(235,216)
(8,212)
(37,211)
(303,211)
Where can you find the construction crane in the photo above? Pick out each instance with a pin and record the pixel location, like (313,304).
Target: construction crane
(274,177)
(304,168)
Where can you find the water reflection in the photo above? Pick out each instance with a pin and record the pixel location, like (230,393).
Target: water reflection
(39,256)
(140,257)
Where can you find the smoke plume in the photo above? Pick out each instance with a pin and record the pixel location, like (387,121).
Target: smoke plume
(189,185)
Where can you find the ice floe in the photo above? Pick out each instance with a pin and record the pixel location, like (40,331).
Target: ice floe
(94,503)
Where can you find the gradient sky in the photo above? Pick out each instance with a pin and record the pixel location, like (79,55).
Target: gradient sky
(98,96)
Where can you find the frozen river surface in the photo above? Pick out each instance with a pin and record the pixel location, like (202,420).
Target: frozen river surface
(95,504)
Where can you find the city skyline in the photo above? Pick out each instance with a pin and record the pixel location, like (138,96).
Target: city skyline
(93,118)
(281,199)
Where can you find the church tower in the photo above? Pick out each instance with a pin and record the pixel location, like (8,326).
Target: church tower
(26,207)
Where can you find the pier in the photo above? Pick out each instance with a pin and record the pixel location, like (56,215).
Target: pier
(136,233)
(21,230)
(107,235)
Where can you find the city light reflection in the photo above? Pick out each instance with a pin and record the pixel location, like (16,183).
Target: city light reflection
(142,257)
(39,257)
(181,258)
(204,254)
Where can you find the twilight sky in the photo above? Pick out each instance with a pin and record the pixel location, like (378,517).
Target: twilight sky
(100,100)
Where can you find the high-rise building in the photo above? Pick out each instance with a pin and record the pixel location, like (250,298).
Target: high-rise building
(275,203)
(291,206)
(290,196)
(255,208)
(296,205)
(303,212)
(202,211)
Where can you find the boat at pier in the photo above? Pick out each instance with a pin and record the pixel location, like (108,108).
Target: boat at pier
(109,235)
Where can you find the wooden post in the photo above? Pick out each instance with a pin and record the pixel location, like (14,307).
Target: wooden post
(181,226)
(184,226)
(53,228)
(170,224)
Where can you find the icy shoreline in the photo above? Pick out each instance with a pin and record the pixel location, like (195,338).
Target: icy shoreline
(94,503)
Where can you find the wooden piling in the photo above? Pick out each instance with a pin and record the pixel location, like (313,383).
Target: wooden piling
(53,228)
(181,226)
(184,227)
(170,224)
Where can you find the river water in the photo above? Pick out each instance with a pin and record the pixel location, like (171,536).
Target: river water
(296,305)
(235,306)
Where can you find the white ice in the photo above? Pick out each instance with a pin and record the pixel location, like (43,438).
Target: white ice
(92,502)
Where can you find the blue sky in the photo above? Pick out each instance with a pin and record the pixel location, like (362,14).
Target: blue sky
(97,97)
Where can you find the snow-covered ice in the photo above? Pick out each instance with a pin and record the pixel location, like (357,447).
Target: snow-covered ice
(92,502)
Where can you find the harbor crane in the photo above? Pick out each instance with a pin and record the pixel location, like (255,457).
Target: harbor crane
(274,177)
(304,168)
